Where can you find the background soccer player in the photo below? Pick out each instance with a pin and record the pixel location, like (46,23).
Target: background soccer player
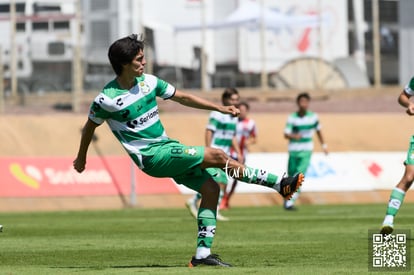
(220,133)
(128,105)
(398,193)
(300,128)
(246,135)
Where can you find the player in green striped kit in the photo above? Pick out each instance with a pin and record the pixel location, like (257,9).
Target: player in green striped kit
(399,191)
(300,128)
(128,105)
(220,134)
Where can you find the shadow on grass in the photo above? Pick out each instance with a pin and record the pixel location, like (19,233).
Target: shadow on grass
(146,266)
(118,266)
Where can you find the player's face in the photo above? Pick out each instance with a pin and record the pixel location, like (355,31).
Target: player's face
(136,67)
(233,100)
(303,104)
(243,112)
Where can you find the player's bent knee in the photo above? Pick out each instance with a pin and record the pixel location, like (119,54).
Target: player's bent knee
(220,156)
(216,156)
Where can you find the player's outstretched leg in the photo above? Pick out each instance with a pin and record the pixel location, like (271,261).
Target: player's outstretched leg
(396,199)
(286,187)
(206,221)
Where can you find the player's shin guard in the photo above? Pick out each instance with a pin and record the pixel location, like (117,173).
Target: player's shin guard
(206,231)
(396,199)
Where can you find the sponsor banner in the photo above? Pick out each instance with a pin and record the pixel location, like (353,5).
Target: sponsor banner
(55,176)
(348,171)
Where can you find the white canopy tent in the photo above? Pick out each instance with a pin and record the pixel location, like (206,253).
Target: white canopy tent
(255,16)
(250,14)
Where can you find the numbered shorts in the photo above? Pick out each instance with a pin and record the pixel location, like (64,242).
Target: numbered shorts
(177,161)
(298,162)
(410,153)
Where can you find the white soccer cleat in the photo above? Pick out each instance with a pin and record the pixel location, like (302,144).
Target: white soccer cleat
(220,217)
(192,207)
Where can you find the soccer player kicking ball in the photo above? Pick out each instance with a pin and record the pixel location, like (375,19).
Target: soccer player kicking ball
(128,105)
(398,193)
(220,134)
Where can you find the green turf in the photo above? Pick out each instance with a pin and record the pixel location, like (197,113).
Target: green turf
(313,240)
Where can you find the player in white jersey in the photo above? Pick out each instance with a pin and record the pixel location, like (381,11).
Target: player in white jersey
(246,134)
(399,191)
(221,134)
(128,105)
(300,128)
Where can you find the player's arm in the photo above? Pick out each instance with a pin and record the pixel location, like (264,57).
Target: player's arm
(208,137)
(404,101)
(252,136)
(252,140)
(289,133)
(86,138)
(292,136)
(236,146)
(322,141)
(200,103)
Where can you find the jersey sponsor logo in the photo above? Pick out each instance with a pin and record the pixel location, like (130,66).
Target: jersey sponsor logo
(141,121)
(144,119)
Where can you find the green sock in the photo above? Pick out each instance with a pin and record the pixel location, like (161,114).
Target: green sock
(259,176)
(396,199)
(206,230)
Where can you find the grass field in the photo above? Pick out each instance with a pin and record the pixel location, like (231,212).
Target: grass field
(314,240)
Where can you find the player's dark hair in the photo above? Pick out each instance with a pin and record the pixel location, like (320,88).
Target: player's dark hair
(228,92)
(303,95)
(245,104)
(123,51)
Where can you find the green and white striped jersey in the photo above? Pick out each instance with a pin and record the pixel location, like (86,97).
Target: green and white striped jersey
(305,126)
(223,127)
(133,114)
(409,88)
